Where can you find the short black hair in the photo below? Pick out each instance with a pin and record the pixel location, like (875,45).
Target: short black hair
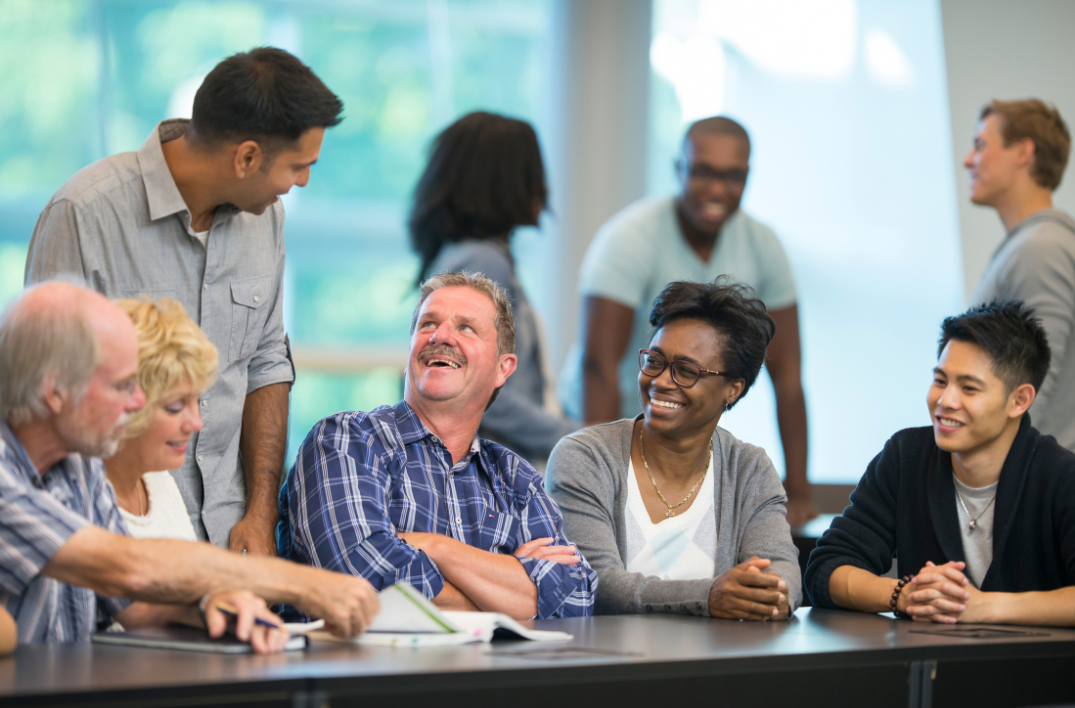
(718,125)
(484,178)
(730,308)
(265,95)
(1010,334)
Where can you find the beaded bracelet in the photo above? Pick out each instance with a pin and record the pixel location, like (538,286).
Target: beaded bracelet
(896,596)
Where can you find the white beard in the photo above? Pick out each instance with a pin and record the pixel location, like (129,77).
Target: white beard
(79,441)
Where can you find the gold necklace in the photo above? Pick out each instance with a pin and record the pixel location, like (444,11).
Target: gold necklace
(137,493)
(671,512)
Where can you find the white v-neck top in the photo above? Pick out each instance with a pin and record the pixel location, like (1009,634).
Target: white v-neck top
(682,547)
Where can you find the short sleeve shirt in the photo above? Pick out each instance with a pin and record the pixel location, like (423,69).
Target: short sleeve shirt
(38,514)
(642,249)
(122,225)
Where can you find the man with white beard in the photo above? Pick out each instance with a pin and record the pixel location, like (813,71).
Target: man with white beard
(68,382)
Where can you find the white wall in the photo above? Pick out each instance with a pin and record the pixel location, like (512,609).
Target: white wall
(1003,49)
(599,126)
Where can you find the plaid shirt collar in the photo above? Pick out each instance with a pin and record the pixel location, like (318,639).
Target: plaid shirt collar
(412,429)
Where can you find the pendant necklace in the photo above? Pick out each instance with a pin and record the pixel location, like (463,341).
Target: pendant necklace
(671,509)
(973,523)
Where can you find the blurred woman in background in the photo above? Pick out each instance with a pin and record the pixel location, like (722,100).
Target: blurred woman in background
(484,179)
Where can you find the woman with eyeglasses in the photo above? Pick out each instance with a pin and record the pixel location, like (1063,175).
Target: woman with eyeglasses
(674,513)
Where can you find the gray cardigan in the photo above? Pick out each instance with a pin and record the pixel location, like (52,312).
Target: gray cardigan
(587,477)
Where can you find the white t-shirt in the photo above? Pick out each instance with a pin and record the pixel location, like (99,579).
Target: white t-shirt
(682,547)
(642,249)
(167,515)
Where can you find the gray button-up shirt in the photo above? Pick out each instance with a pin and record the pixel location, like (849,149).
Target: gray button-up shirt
(122,225)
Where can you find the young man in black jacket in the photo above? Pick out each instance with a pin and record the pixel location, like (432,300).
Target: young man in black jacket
(978,510)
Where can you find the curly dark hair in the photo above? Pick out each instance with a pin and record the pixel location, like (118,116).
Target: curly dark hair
(1010,334)
(731,309)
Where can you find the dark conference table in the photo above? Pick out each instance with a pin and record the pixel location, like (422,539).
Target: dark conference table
(819,657)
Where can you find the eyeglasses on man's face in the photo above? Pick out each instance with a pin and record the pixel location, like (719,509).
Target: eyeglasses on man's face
(684,373)
(126,387)
(707,175)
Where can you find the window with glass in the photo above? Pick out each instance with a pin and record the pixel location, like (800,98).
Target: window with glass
(82,80)
(847,108)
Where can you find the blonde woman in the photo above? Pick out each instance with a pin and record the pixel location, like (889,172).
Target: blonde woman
(176,363)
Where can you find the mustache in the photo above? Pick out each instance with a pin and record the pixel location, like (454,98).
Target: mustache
(442,350)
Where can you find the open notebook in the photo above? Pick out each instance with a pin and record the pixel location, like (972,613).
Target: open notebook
(408,619)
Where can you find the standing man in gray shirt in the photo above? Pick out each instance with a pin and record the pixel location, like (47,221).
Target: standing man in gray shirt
(195,215)
(1020,151)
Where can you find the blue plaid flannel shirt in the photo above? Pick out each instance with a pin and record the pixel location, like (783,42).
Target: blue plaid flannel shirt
(361,478)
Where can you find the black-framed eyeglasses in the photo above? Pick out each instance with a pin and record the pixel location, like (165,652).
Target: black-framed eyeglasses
(707,175)
(684,373)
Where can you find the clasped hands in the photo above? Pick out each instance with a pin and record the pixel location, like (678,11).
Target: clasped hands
(746,593)
(942,593)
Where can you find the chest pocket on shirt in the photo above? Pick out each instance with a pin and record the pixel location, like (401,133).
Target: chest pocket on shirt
(249,310)
(499,533)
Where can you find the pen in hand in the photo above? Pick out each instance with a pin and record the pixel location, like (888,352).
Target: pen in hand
(231,612)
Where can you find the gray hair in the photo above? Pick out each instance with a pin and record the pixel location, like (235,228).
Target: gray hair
(503,320)
(37,345)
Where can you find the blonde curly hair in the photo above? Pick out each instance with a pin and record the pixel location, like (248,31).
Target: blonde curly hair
(171,351)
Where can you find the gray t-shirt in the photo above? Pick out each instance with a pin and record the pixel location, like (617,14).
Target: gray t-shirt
(641,250)
(1036,264)
(977,543)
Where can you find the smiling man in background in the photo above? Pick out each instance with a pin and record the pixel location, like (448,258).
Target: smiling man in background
(1020,151)
(409,493)
(698,235)
(195,215)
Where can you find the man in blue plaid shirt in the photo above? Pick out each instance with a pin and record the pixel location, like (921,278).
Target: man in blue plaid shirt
(409,493)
